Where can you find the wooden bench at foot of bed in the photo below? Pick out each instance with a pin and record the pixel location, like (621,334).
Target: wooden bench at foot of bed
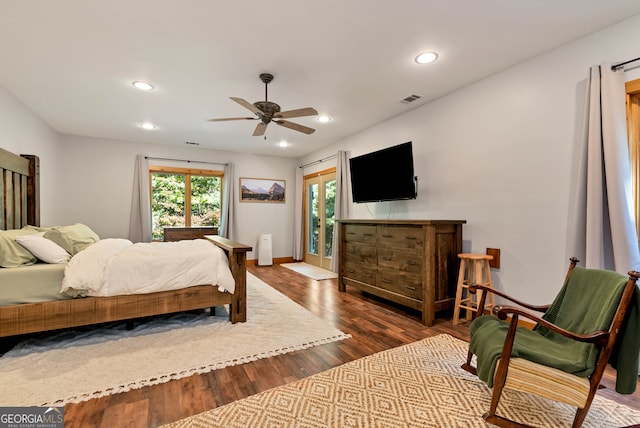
(58,314)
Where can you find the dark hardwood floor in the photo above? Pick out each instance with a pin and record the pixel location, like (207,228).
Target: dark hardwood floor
(375,325)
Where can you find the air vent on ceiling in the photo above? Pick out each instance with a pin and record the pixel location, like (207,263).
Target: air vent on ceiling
(410,99)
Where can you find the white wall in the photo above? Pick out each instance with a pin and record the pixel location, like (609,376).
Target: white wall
(22,132)
(502,155)
(97,177)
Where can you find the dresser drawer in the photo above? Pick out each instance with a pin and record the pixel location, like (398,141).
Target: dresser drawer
(361,254)
(404,284)
(361,273)
(360,233)
(401,237)
(400,260)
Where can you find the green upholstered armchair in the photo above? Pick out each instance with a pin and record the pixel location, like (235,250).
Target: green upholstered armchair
(564,356)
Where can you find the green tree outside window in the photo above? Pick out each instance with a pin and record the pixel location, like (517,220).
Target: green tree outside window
(184,199)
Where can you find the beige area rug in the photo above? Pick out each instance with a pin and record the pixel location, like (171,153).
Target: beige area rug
(416,385)
(86,363)
(311,271)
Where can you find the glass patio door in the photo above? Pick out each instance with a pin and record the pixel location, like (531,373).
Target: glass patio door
(320,198)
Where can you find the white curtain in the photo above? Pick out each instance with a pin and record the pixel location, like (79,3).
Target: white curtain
(227,224)
(140,220)
(342,202)
(298,221)
(609,234)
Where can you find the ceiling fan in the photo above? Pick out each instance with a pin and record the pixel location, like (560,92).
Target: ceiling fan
(267,112)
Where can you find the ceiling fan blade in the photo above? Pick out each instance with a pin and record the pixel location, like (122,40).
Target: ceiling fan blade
(246,104)
(295,126)
(308,111)
(260,129)
(232,118)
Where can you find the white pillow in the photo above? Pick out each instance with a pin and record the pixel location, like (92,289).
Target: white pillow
(43,248)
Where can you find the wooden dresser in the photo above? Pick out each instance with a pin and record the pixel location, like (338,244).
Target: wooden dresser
(180,233)
(411,262)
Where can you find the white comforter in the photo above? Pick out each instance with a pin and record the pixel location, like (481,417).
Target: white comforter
(112,267)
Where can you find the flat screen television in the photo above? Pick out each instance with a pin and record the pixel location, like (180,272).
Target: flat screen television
(384,175)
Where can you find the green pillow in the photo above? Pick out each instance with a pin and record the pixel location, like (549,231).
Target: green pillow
(36,228)
(74,238)
(13,254)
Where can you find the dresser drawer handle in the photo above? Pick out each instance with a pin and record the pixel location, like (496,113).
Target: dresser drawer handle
(413,238)
(368,234)
(411,262)
(387,258)
(387,236)
(386,281)
(410,287)
(351,233)
(350,271)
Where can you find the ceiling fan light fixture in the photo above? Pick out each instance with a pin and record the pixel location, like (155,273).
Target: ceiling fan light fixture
(269,112)
(426,57)
(324,119)
(283,144)
(143,86)
(147,126)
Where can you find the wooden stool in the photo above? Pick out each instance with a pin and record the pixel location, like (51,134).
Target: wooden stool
(474,269)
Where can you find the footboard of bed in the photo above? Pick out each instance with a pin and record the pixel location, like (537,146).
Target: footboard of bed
(53,315)
(237,255)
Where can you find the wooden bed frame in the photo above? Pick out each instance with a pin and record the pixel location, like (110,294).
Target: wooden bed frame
(20,206)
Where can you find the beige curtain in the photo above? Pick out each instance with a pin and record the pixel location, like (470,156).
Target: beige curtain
(227,224)
(608,233)
(140,219)
(342,202)
(298,220)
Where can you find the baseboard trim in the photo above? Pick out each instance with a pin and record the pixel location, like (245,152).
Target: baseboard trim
(276,261)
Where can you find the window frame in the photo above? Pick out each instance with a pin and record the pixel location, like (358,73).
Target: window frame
(633,133)
(187,173)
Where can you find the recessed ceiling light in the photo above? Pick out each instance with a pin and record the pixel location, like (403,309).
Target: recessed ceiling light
(147,125)
(426,57)
(324,119)
(143,86)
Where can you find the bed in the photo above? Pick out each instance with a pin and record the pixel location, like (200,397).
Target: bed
(19,204)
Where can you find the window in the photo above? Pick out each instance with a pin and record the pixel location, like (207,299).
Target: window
(320,198)
(633,130)
(183,197)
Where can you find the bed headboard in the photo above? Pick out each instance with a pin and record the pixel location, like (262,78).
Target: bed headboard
(20,186)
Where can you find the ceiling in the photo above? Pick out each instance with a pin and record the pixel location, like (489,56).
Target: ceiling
(73,61)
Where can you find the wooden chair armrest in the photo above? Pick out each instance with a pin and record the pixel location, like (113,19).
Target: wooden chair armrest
(473,288)
(599,337)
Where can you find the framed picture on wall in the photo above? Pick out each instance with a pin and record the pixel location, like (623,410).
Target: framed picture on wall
(262,190)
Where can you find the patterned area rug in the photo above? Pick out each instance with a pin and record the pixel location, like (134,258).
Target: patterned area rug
(311,271)
(81,364)
(416,385)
